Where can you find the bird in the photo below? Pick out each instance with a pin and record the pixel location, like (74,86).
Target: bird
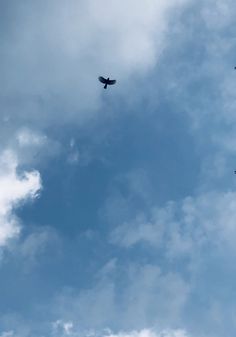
(106,81)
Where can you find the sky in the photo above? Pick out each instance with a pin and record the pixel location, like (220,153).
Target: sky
(117,206)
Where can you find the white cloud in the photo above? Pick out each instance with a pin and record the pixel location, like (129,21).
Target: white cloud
(145,296)
(63,328)
(131,30)
(182,227)
(31,145)
(27,137)
(60,327)
(15,189)
(128,234)
(150,333)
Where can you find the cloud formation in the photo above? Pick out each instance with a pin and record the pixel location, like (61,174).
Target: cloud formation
(150,333)
(180,228)
(15,190)
(53,53)
(64,328)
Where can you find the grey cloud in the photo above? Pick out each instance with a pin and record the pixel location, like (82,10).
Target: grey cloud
(55,50)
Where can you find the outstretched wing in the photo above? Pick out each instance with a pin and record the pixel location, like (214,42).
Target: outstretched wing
(111,82)
(102,79)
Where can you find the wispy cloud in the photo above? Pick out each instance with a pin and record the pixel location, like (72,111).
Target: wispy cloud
(181,228)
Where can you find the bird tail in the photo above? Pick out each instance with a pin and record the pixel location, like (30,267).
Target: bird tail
(105,86)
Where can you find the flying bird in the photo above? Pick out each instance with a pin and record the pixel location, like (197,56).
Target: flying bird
(106,81)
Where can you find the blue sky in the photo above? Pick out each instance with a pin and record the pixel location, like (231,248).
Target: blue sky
(117,206)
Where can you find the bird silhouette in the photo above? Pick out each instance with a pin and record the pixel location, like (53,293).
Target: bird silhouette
(106,81)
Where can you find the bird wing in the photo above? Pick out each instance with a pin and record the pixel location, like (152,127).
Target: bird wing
(102,79)
(111,81)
